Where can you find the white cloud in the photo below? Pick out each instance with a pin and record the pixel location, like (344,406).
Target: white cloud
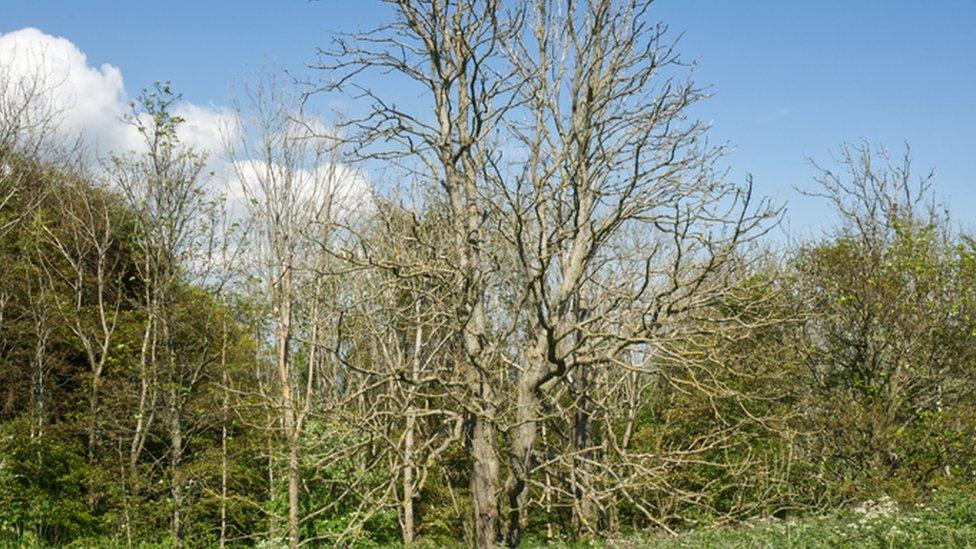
(327,191)
(202,126)
(93,100)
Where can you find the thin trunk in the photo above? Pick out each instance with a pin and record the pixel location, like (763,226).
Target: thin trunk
(176,480)
(293,494)
(547,493)
(288,405)
(224,414)
(633,402)
(40,351)
(147,362)
(143,421)
(462,171)
(408,520)
(92,436)
(408,450)
(174,413)
(126,503)
(93,417)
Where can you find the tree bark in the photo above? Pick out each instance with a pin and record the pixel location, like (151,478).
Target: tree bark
(176,480)
(176,440)
(484,483)
(408,443)
(287,404)
(527,414)
(293,501)
(591,517)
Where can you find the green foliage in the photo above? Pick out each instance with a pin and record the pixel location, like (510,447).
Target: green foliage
(51,490)
(334,459)
(44,484)
(949,520)
(888,349)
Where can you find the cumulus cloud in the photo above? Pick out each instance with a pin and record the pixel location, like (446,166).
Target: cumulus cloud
(92,101)
(326,191)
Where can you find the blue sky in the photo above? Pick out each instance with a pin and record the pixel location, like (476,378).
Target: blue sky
(791,79)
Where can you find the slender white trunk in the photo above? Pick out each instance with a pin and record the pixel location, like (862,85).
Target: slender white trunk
(408,443)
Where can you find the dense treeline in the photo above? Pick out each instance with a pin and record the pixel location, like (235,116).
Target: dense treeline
(547,316)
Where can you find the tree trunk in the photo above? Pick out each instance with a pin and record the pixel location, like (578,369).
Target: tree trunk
(223,483)
(92,436)
(293,536)
(38,381)
(176,480)
(408,520)
(485,468)
(408,449)
(93,418)
(484,483)
(591,518)
(224,415)
(527,414)
(288,405)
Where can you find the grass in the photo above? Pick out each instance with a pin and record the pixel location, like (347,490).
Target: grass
(950,521)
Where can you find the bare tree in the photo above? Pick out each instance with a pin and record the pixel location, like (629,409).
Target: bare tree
(609,152)
(416,342)
(292,185)
(450,51)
